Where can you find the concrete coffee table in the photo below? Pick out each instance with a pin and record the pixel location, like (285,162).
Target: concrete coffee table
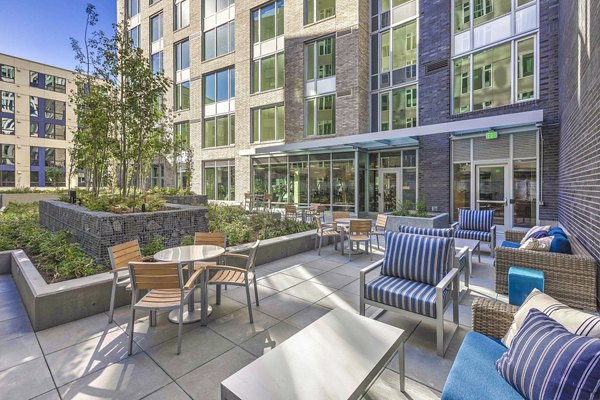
(339,356)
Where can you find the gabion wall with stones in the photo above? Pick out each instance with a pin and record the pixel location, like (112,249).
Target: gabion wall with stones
(190,200)
(97,231)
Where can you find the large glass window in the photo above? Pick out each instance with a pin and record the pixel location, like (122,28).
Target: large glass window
(219,180)
(316,10)
(34,79)
(182,96)
(298,179)
(182,55)
(182,134)
(7,125)
(320,116)
(279,179)
(134,36)
(398,49)
(157,175)
(219,131)
(486,10)
(54,109)
(8,102)
(7,73)
(398,108)
(343,180)
(525,193)
(319,179)
(219,86)
(525,69)
(213,6)
(156,27)
(320,59)
(260,175)
(219,41)
(267,22)
(157,63)
(461,187)
(182,14)
(132,8)
(268,73)
(268,124)
(54,131)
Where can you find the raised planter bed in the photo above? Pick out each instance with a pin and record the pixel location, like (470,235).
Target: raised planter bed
(53,304)
(440,220)
(97,231)
(26,198)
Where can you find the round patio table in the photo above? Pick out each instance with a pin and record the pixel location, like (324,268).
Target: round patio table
(188,255)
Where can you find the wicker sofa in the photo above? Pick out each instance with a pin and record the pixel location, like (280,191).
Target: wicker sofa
(569,278)
(473,375)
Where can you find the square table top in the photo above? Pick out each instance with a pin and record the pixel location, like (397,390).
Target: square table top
(472,244)
(336,357)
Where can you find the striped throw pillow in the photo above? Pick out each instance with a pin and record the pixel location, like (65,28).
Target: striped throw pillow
(425,259)
(575,321)
(545,361)
(476,220)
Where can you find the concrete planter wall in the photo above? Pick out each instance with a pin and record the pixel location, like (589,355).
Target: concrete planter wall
(97,231)
(25,198)
(53,304)
(435,221)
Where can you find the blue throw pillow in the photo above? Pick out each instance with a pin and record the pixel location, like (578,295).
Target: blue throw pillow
(560,244)
(545,361)
(511,245)
(557,231)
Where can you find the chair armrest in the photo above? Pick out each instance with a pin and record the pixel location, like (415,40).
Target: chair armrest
(367,269)
(228,268)
(190,283)
(447,280)
(491,317)
(117,270)
(514,236)
(455,225)
(464,252)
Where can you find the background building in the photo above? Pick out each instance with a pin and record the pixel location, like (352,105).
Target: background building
(362,104)
(37,123)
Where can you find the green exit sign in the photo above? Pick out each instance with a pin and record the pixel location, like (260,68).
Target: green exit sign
(491,135)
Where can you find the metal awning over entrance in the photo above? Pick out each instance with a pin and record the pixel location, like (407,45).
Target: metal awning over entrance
(400,137)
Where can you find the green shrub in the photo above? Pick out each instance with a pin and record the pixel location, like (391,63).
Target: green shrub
(186,240)
(118,204)
(421,209)
(53,253)
(154,246)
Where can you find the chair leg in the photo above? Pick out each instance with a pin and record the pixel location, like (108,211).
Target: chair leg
(180,328)
(218,295)
(249,301)
(113,293)
(378,246)
(131,323)
(361,307)
(439,322)
(350,250)
(256,291)
(370,244)
(320,244)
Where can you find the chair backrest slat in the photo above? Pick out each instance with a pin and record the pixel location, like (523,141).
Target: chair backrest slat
(358,226)
(158,275)
(251,263)
(340,214)
(210,238)
(381,221)
(122,254)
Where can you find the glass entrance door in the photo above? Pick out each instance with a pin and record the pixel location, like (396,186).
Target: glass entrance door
(390,185)
(491,192)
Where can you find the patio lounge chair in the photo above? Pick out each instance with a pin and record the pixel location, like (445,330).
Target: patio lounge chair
(166,290)
(476,225)
(120,257)
(237,276)
(417,276)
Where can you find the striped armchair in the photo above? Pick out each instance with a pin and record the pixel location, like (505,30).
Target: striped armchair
(417,276)
(476,225)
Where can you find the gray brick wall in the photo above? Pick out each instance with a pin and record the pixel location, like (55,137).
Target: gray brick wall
(579,149)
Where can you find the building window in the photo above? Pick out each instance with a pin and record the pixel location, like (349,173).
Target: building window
(219,131)
(316,10)
(132,8)
(182,134)
(398,108)
(7,155)
(525,69)
(320,116)
(320,56)
(134,36)
(152,2)
(8,126)
(219,180)
(219,86)
(54,131)
(55,109)
(268,73)
(219,41)
(157,63)
(34,79)
(182,55)
(7,165)
(34,128)
(8,102)
(156,28)
(49,170)
(56,84)
(212,7)
(398,55)
(267,22)
(7,73)
(182,14)
(268,123)
(182,96)
(157,175)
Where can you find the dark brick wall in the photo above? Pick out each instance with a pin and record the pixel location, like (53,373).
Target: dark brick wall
(435,102)
(579,151)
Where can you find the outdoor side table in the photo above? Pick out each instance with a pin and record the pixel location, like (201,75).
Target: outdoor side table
(338,356)
(188,255)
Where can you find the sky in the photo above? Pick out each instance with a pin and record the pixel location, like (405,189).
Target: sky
(39,30)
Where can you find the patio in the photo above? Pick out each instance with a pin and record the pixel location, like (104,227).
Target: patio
(88,358)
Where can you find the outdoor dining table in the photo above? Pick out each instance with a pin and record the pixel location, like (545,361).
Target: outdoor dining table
(303,210)
(343,225)
(188,255)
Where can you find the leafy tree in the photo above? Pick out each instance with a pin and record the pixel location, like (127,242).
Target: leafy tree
(123,123)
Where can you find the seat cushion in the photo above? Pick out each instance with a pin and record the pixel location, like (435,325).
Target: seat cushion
(426,231)
(412,296)
(473,375)
(476,220)
(418,258)
(545,361)
(511,245)
(473,235)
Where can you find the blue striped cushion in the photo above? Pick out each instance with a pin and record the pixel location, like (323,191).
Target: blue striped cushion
(476,220)
(473,235)
(426,231)
(407,295)
(545,361)
(417,258)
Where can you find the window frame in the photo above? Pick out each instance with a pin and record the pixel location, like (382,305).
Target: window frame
(178,20)
(315,12)
(316,124)
(214,164)
(4,73)
(230,130)
(276,107)
(230,40)
(7,102)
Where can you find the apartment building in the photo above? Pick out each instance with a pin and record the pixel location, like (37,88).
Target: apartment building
(361,104)
(37,123)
